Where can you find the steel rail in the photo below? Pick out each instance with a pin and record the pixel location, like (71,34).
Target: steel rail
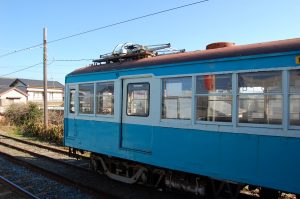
(57,177)
(17,188)
(43,156)
(37,145)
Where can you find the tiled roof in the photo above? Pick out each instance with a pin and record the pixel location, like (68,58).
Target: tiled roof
(6,81)
(40,83)
(29,82)
(4,89)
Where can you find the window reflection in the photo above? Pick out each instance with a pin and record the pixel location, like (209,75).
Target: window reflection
(138,99)
(105,98)
(86,98)
(213,98)
(260,109)
(72,101)
(177,98)
(208,84)
(294,97)
(260,82)
(260,97)
(214,108)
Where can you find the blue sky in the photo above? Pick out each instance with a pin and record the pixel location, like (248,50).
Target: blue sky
(192,28)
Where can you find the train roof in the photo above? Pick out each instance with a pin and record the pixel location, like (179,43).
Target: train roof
(199,55)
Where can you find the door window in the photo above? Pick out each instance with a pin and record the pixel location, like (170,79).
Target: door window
(138,99)
(72,101)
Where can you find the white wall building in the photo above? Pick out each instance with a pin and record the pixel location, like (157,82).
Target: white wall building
(33,91)
(11,95)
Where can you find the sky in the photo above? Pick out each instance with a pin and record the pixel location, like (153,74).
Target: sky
(190,28)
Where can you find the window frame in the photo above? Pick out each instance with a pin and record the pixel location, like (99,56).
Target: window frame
(148,100)
(96,96)
(281,93)
(174,120)
(78,100)
(289,93)
(69,100)
(230,123)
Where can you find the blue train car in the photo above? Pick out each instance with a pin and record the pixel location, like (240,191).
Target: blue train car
(229,114)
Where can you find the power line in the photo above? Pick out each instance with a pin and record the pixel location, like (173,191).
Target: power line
(106,26)
(20,50)
(128,20)
(26,68)
(21,69)
(52,61)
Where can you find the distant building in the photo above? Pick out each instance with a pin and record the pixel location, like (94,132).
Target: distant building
(31,90)
(9,95)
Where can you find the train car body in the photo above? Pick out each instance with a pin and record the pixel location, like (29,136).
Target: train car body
(230,113)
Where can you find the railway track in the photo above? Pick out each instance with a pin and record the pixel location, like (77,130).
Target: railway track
(56,164)
(37,185)
(50,162)
(9,189)
(47,152)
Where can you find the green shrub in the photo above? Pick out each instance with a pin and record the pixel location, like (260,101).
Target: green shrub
(23,114)
(29,119)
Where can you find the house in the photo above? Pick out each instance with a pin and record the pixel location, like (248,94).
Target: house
(33,90)
(9,95)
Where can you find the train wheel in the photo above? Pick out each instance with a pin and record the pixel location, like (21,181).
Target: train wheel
(93,165)
(266,193)
(222,189)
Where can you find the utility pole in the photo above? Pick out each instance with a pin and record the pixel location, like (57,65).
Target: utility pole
(45,79)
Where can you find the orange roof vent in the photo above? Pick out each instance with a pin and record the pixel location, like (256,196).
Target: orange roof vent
(219,45)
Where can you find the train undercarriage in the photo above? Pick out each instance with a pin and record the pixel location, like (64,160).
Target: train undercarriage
(131,172)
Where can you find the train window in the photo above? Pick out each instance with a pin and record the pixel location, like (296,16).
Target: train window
(86,98)
(105,98)
(177,98)
(260,97)
(72,101)
(294,96)
(214,98)
(138,99)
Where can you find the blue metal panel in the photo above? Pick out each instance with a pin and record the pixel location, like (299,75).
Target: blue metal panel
(262,160)
(279,161)
(135,138)
(187,150)
(70,127)
(102,137)
(238,156)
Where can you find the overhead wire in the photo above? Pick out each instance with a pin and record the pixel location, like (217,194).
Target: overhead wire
(26,68)
(106,26)
(88,31)
(21,69)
